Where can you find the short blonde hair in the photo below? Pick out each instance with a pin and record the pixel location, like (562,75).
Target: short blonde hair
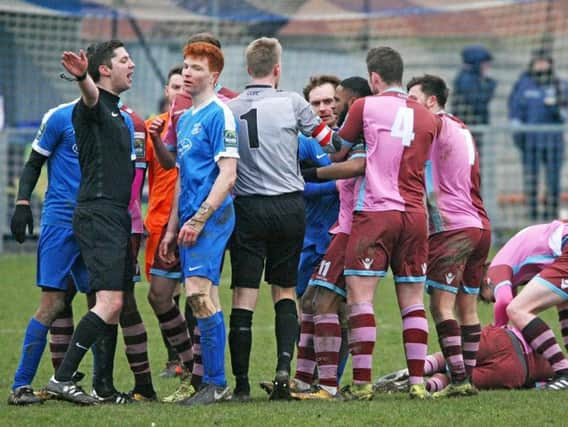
(262,55)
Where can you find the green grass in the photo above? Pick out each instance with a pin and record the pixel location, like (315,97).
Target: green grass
(20,298)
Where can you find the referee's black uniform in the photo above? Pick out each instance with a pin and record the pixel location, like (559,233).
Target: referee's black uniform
(101,221)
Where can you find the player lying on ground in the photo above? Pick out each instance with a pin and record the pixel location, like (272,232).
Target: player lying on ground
(504,360)
(537,256)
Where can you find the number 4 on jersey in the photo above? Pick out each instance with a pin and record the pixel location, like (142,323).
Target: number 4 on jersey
(403,126)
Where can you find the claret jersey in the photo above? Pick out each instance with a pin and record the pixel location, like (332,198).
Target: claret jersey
(398,133)
(453,181)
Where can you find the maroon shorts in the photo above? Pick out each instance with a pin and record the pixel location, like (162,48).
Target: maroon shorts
(163,268)
(380,239)
(539,369)
(555,275)
(500,362)
(135,242)
(456,259)
(329,273)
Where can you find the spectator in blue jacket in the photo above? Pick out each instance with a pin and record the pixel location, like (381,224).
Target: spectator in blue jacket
(473,89)
(539,97)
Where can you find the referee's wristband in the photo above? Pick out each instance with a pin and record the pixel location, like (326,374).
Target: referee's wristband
(81,78)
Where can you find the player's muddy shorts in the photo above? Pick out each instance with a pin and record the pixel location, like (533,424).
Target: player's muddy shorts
(456,259)
(329,273)
(380,239)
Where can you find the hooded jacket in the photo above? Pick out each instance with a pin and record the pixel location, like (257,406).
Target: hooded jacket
(472,91)
(536,100)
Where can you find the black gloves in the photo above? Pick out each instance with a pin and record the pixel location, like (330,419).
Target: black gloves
(21,219)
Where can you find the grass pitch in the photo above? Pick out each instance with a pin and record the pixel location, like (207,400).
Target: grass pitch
(20,298)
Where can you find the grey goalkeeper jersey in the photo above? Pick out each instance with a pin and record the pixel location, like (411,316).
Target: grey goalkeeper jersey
(269,122)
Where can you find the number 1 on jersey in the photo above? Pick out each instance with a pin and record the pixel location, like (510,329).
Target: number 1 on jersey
(403,126)
(252,128)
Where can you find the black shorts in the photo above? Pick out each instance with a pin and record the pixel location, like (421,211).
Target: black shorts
(271,229)
(103,235)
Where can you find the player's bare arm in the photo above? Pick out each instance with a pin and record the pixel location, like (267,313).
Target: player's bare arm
(340,155)
(341,170)
(77,65)
(167,245)
(165,158)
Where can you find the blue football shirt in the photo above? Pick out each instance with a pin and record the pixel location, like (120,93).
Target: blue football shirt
(55,139)
(204,134)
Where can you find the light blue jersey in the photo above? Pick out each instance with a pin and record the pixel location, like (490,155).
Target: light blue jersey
(58,253)
(205,134)
(55,139)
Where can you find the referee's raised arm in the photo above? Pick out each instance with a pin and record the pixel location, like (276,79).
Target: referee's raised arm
(77,65)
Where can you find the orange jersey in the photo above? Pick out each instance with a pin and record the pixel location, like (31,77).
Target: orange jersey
(161,185)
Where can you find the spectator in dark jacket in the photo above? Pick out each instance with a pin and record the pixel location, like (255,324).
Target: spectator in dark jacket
(539,97)
(473,89)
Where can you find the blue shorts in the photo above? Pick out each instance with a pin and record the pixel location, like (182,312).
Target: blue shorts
(58,257)
(309,259)
(204,259)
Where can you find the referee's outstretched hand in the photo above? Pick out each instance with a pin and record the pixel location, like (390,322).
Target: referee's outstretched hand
(21,219)
(75,64)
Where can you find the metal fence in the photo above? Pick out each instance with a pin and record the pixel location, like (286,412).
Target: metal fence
(511,189)
(318,36)
(508,179)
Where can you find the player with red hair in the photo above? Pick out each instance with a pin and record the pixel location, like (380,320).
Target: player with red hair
(202,216)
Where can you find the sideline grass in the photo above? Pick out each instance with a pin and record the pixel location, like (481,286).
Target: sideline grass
(20,298)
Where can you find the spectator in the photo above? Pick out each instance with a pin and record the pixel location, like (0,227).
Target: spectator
(539,97)
(473,89)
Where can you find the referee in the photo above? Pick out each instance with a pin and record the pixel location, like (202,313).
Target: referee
(101,221)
